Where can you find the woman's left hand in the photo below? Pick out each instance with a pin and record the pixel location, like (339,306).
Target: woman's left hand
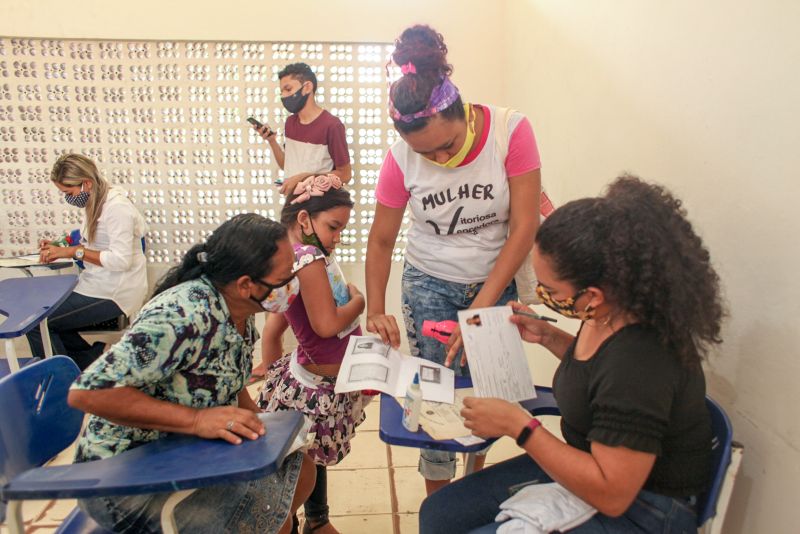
(51,253)
(453,344)
(491,418)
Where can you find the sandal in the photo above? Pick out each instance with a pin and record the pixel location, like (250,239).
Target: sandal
(255,378)
(318,524)
(259,373)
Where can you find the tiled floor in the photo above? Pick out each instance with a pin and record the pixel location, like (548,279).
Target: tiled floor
(376,489)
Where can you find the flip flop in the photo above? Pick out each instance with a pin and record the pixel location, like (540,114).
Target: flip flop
(256,378)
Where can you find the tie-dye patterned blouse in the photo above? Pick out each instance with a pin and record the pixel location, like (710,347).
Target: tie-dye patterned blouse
(183,348)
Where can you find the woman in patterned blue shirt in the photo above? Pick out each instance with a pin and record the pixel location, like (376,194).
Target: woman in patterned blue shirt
(182,367)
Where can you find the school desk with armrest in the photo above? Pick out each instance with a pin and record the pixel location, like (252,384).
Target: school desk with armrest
(26,303)
(36,423)
(393,432)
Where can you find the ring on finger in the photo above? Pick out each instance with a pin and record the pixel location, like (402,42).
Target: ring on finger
(229,426)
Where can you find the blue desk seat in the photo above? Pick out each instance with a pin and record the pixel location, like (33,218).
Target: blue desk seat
(26,303)
(392,431)
(36,424)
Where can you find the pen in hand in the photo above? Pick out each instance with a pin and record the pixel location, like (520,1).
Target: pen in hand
(534,315)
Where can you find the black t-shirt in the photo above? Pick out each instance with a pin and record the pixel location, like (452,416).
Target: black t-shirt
(634,393)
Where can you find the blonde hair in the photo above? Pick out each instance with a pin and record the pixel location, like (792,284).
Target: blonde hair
(74,169)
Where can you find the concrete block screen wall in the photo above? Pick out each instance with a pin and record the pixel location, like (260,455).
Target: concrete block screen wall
(166,120)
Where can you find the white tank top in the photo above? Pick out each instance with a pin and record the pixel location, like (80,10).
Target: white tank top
(459,216)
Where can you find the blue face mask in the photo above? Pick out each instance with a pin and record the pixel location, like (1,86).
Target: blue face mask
(79,201)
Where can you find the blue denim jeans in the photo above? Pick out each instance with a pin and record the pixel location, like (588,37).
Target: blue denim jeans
(472,503)
(259,506)
(78,311)
(428,298)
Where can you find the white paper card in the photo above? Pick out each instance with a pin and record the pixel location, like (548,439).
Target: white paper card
(497,361)
(29,260)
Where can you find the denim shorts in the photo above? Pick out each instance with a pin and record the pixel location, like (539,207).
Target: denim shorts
(429,298)
(257,506)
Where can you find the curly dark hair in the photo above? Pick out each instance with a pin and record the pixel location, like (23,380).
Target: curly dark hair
(636,244)
(424,47)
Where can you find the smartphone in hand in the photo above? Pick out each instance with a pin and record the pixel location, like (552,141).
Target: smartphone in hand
(255,122)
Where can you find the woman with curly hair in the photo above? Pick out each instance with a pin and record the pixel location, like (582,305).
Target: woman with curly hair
(630,386)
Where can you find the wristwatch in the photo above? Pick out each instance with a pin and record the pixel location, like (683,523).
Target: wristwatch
(526,431)
(79,253)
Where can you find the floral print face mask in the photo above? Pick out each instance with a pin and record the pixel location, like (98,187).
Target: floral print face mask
(279,297)
(565,307)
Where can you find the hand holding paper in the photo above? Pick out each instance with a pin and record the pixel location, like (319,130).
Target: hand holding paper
(497,361)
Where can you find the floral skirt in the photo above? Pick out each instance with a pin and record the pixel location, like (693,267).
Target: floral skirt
(335,416)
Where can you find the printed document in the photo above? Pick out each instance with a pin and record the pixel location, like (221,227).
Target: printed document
(371,364)
(29,260)
(497,361)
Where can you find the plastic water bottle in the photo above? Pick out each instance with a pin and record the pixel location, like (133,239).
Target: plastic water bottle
(439,331)
(413,405)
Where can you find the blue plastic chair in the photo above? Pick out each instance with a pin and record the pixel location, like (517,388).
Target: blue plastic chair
(75,237)
(36,424)
(726,456)
(722,447)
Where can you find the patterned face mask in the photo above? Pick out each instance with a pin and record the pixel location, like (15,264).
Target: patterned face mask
(79,201)
(565,307)
(279,297)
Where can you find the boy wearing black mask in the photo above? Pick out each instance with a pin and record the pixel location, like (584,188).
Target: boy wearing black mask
(314,140)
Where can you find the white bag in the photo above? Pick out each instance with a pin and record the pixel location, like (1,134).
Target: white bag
(525,277)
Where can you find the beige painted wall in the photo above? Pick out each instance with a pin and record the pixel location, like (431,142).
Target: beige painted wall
(700,96)
(241,20)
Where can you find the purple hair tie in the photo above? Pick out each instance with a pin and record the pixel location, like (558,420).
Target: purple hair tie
(442,97)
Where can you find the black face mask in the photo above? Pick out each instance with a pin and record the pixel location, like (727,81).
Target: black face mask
(295,102)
